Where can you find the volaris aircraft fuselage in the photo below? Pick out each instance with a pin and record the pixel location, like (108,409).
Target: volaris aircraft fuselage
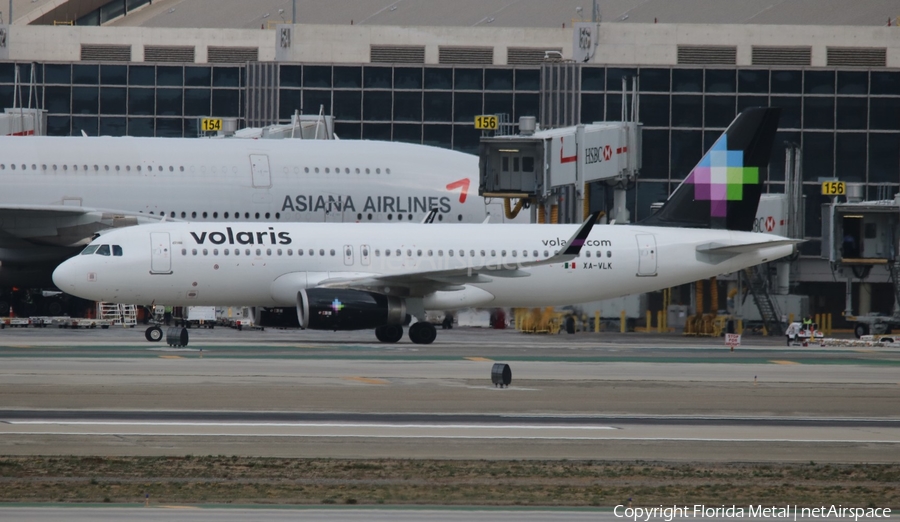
(267,264)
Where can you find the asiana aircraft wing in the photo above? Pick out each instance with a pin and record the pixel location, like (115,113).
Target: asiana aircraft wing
(61,225)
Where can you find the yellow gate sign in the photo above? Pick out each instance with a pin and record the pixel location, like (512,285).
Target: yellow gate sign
(834,188)
(486,122)
(211,124)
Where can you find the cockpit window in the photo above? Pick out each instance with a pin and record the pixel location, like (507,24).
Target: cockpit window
(103,250)
(90,249)
(117,250)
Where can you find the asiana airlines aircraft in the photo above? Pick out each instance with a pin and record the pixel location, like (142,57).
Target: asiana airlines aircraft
(351,276)
(59,192)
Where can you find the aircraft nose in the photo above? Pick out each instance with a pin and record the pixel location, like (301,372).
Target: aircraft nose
(65,277)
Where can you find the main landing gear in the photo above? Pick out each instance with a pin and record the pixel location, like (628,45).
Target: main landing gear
(389,333)
(420,333)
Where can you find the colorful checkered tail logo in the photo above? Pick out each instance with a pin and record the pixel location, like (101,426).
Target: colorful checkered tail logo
(723,190)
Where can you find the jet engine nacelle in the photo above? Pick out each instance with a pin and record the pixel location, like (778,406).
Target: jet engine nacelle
(336,309)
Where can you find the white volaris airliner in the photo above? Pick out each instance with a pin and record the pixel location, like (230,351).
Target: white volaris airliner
(358,276)
(58,192)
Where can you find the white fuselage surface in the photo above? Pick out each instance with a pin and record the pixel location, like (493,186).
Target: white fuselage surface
(265,264)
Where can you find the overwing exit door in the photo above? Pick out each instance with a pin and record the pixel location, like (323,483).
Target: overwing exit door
(646,254)
(160,253)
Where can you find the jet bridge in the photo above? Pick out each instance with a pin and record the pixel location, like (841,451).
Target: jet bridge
(858,237)
(551,170)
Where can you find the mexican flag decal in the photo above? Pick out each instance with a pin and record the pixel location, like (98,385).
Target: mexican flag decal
(568,266)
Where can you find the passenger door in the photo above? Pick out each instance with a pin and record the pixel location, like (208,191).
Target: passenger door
(646,254)
(160,253)
(259,168)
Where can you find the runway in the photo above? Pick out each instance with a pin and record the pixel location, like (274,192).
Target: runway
(590,396)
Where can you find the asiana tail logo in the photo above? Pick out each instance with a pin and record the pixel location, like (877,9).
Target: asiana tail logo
(241,237)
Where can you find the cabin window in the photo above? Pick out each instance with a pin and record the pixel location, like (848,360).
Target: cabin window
(90,249)
(205,252)
(440,253)
(33,166)
(369,217)
(399,217)
(377,171)
(194,214)
(259,252)
(43,167)
(306,170)
(246,251)
(181,169)
(472,253)
(138,168)
(215,251)
(535,253)
(514,253)
(237,251)
(226,215)
(387,171)
(367,171)
(450,253)
(408,253)
(204,215)
(378,252)
(410,217)
(312,252)
(419,253)
(524,253)
(322,251)
(462,253)
(246,215)
(493,253)
(267,215)
(270,252)
(387,252)
(225,252)
(194,252)
(290,252)
(390,217)
(430,253)
(256,215)
(327,170)
(357,170)
(183,215)
(503,253)
(348,252)
(547,254)
(172,214)
(587,254)
(278,215)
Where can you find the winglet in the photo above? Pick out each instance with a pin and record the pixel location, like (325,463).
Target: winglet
(573,246)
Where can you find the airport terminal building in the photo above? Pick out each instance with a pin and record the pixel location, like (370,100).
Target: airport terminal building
(406,73)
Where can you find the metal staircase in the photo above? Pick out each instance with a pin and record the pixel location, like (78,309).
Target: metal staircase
(117,314)
(758,282)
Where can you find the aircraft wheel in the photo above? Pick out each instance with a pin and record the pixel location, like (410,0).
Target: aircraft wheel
(422,333)
(861,330)
(389,333)
(154,334)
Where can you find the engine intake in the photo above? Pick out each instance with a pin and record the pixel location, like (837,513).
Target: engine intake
(335,309)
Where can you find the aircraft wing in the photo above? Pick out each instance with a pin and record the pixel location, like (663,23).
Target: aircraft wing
(424,282)
(742,248)
(61,225)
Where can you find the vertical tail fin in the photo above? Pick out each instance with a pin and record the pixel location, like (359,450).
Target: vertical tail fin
(723,190)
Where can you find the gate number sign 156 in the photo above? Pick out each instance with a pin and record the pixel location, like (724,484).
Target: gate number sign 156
(486,122)
(834,188)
